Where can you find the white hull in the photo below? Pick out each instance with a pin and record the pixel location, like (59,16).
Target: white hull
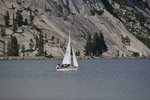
(67,69)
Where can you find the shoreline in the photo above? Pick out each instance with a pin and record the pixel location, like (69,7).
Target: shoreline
(61,57)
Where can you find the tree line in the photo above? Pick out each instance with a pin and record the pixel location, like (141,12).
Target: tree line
(13,46)
(95,45)
(18,20)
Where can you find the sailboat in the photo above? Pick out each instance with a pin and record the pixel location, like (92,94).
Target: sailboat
(66,63)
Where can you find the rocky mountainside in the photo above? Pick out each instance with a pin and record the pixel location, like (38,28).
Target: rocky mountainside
(118,20)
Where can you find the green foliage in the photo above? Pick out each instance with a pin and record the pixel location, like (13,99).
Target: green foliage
(46,8)
(19,18)
(97,45)
(93,12)
(31,45)
(109,8)
(36,28)
(140,17)
(7,19)
(107,5)
(40,45)
(13,47)
(52,38)
(94,43)
(14,25)
(45,53)
(36,11)
(121,2)
(135,54)
(26,21)
(78,53)
(23,50)
(49,56)
(144,4)
(131,21)
(37,42)
(28,9)
(3,49)
(12,7)
(88,46)
(3,32)
(125,40)
(146,40)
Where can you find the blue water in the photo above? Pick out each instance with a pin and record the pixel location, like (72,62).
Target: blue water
(107,79)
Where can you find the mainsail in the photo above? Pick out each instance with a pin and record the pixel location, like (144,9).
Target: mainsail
(75,63)
(67,58)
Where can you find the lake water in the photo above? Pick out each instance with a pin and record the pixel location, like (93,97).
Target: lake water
(107,79)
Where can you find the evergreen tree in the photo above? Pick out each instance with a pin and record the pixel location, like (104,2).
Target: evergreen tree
(26,21)
(9,49)
(102,46)
(23,50)
(31,44)
(13,6)
(94,43)
(41,46)
(97,47)
(88,46)
(13,47)
(45,8)
(3,32)
(19,18)
(37,42)
(7,19)
(14,25)
(45,53)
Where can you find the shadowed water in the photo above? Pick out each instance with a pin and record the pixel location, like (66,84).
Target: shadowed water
(114,79)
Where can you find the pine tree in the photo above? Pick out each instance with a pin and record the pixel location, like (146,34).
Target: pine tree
(9,49)
(41,46)
(94,43)
(7,19)
(13,6)
(3,32)
(14,25)
(97,46)
(45,53)
(23,50)
(103,47)
(19,18)
(88,46)
(13,47)
(26,21)
(31,44)
(37,42)
(45,8)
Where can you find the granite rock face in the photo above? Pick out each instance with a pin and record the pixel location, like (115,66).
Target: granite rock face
(58,17)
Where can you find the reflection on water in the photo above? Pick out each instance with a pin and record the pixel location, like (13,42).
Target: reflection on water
(116,79)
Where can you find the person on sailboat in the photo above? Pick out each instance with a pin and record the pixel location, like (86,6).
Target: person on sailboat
(58,66)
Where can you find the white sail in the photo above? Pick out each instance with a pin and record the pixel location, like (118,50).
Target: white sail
(75,63)
(67,58)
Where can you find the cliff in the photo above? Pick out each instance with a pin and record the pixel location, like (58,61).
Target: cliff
(54,18)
